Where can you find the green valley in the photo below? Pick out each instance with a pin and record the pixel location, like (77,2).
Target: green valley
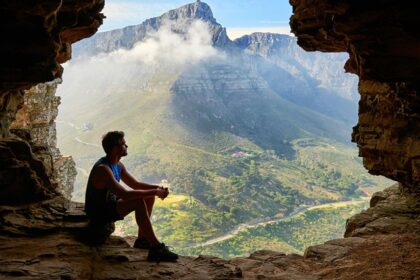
(234,144)
(289,235)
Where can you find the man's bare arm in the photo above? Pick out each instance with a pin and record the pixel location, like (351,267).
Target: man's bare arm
(103,178)
(132,182)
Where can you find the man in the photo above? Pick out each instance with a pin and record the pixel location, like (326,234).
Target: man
(108,201)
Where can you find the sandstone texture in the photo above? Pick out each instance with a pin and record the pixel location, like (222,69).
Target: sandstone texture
(23,175)
(383,48)
(35,123)
(379,36)
(39,36)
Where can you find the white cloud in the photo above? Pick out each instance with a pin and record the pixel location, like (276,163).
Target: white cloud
(166,48)
(161,52)
(236,32)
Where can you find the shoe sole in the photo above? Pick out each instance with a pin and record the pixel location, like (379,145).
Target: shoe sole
(161,260)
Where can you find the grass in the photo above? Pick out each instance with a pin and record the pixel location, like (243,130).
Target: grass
(212,191)
(291,235)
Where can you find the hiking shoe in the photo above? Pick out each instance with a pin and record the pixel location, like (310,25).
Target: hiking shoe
(141,243)
(161,253)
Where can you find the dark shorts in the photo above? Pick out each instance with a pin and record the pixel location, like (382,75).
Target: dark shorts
(107,214)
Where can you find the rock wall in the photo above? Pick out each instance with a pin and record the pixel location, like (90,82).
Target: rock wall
(39,35)
(35,122)
(388,132)
(384,52)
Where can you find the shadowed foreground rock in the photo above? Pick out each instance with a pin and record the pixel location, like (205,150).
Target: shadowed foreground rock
(40,242)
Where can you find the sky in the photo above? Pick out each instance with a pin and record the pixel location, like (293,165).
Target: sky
(238,16)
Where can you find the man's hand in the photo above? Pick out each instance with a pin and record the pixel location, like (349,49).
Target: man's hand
(162,192)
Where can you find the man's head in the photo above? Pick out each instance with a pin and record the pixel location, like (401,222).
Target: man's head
(114,142)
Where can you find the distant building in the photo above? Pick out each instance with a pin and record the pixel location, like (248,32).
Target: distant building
(240,154)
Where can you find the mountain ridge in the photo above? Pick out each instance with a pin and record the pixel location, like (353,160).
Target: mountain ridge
(220,129)
(177,19)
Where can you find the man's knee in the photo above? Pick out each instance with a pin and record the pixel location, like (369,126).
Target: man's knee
(141,204)
(150,200)
(124,207)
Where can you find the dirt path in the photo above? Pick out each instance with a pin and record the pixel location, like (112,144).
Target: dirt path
(262,222)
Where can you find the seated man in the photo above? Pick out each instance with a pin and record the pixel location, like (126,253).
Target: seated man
(108,201)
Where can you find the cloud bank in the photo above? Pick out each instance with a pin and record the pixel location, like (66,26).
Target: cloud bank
(163,51)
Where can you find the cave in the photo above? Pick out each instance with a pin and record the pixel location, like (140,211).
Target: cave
(40,225)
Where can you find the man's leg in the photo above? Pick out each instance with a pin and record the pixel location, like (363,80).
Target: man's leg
(149,205)
(124,207)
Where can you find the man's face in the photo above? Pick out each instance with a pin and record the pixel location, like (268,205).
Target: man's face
(121,147)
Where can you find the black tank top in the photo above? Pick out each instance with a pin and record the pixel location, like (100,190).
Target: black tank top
(96,200)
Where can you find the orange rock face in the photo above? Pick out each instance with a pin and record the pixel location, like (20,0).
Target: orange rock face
(384,49)
(37,37)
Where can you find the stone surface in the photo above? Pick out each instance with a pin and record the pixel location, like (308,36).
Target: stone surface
(38,113)
(383,48)
(10,103)
(35,122)
(58,249)
(379,36)
(23,175)
(39,36)
(397,211)
(388,132)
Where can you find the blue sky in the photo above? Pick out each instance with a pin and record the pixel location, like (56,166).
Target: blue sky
(238,16)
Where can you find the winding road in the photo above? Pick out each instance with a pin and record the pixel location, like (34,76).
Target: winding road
(77,139)
(257,223)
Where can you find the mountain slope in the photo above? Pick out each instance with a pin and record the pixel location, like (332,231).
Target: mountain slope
(226,97)
(243,129)
(283,51)
(177,20)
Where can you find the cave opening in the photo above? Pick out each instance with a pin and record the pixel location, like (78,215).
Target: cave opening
(192,108)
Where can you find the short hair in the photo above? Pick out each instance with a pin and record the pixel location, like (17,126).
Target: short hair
(110,140)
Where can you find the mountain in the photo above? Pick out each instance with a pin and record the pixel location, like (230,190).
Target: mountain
(324,68)
(240,130)
(236,99)
(313,80)
(178,20)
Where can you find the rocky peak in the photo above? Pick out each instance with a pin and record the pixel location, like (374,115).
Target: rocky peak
(197,10)
(283,51)
(264,43)
(268,39)
(179,21)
